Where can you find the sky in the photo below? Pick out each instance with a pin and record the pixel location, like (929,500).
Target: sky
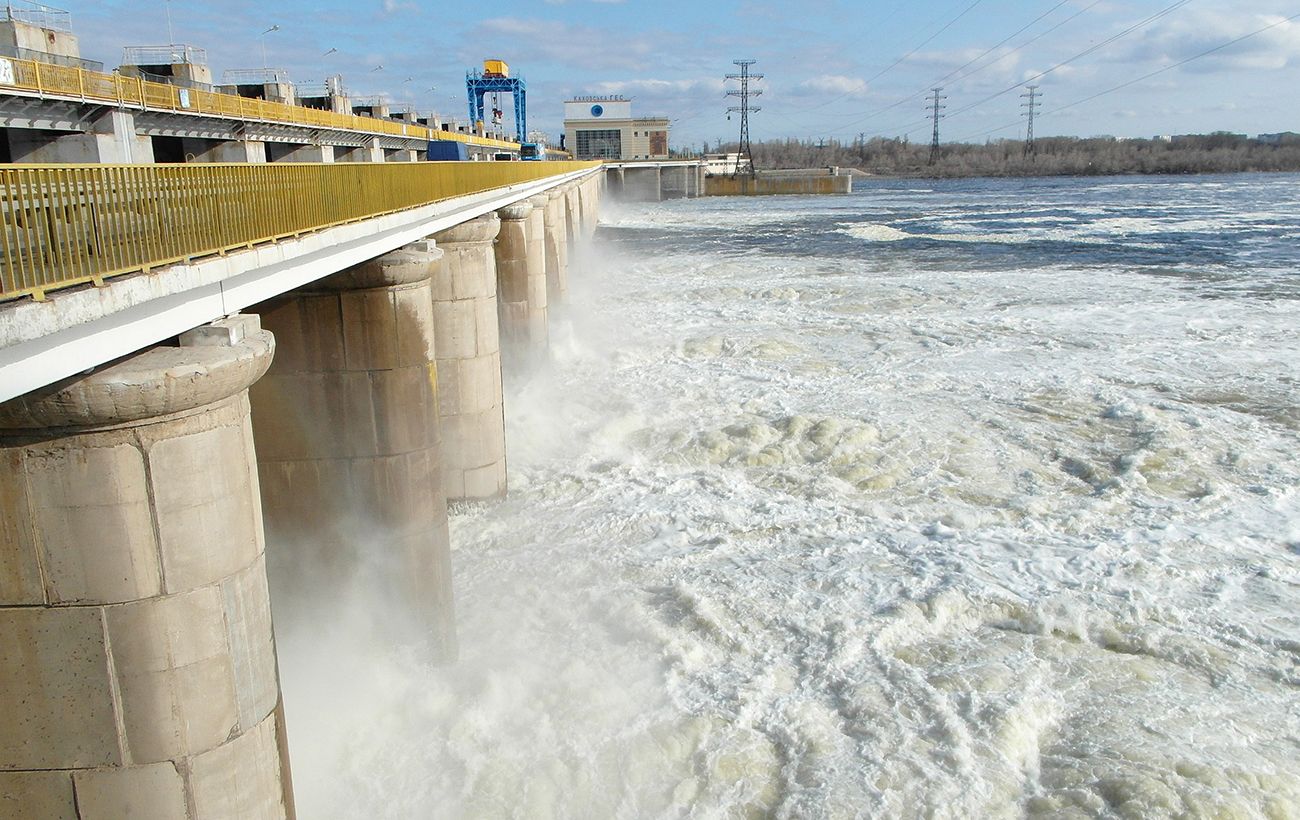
(833,70)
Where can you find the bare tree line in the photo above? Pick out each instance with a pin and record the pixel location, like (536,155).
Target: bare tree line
(1052,156)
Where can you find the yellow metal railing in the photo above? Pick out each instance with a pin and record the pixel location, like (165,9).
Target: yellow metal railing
(65,225)
(64,81)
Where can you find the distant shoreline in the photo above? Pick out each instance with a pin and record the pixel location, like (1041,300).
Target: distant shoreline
(1219,153)
(858,173)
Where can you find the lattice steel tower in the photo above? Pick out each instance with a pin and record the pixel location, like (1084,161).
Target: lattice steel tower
(935,107)
(745,155)
(1030,107)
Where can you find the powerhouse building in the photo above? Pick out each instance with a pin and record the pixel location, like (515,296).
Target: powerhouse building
(604,128)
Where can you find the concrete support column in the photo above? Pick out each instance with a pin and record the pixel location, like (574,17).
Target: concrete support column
(238,151)
(642,185)
(589,189)
(614,182)
(557,246)
(110,138)
(137,662)
(403,155)
(538,301)
(583,199)
(515,273)
(675,181)
(573,213)
(370,152)
(469,362)
(289,152)
(350,461)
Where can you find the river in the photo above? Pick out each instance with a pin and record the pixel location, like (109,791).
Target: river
(943,499)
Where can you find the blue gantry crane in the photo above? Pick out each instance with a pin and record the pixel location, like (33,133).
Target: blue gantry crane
(494,79)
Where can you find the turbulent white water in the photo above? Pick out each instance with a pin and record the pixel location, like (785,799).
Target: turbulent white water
(975,501)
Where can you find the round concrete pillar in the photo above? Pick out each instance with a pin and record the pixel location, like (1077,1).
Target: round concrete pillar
(593,183)
(469,362)
(515,261)
(350,459)
(587,189)
(137,660)
(557,247)
(538,330)
(572,215)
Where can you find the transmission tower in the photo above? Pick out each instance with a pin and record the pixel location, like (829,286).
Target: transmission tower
(1030,107)
(935,107)
(745,156)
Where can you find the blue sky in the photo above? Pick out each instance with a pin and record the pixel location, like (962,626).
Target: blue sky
(833,69)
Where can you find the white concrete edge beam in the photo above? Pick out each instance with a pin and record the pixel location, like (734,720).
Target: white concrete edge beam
(75,330)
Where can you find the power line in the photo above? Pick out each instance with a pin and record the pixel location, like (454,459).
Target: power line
(990,63)
(1090,50)
(1148,75)
(867,82)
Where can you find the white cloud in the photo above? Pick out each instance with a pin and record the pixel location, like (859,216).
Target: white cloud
(577,46)
(1194,33)
(837,85)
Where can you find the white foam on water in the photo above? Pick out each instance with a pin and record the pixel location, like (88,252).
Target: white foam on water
(789,538)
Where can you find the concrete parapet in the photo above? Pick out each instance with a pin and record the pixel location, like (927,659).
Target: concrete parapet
(350,461)
(136,652)
(468,346)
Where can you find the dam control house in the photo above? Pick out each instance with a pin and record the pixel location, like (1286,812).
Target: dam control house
(604,128)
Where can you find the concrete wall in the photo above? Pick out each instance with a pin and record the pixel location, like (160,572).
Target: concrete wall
(16,34)
(808,182)
(137,660)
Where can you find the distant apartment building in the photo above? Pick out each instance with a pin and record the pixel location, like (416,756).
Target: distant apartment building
(604,128)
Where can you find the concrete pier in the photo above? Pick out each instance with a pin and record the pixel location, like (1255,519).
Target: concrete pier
(538,332)
(350,456)
(675,181)
(468,346)
(572,213)
(515,261)
(109,137)
(137,660)
(556,247)
(642,184)
(589,188)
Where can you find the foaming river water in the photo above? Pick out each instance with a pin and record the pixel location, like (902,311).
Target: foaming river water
(941,499)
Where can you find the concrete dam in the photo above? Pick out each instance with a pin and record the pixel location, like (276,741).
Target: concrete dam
(364,357)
